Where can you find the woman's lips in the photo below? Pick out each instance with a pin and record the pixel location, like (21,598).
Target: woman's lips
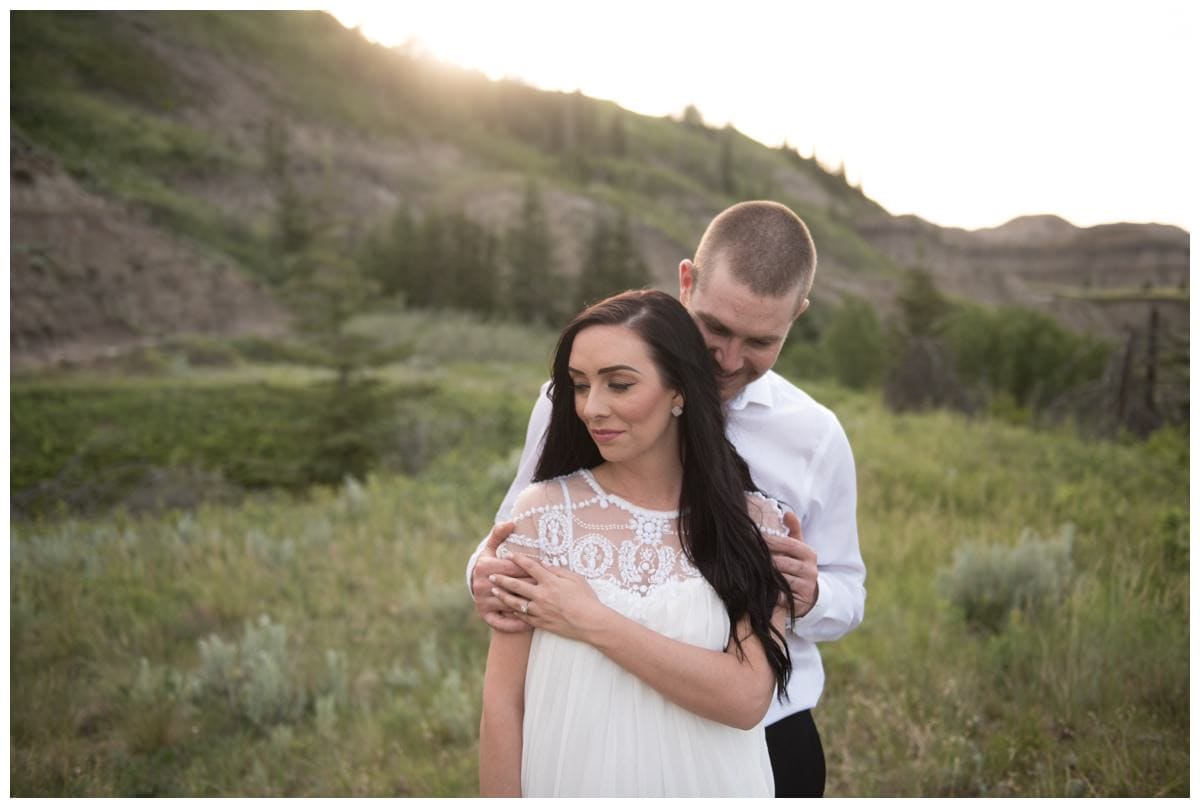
(605,435)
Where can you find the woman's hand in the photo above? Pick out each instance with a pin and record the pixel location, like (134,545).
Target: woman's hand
(552,598)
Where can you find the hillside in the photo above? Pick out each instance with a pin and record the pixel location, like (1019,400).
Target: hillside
(142,206)
(1099,279)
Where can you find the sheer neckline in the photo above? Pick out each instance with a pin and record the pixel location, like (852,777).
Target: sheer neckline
(622,502)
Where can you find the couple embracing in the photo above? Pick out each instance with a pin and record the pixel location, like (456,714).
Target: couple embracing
(680,534)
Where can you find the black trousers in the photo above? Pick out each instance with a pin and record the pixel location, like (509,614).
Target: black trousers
(797,758)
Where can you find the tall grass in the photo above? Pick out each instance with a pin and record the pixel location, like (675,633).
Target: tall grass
(327,645)
(115,621)
(1087,695)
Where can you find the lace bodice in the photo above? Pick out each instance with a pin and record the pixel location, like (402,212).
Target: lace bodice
(571,521)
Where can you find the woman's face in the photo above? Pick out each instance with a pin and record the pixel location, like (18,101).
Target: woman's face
(620,395)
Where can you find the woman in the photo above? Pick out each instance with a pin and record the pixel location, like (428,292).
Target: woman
(638,493)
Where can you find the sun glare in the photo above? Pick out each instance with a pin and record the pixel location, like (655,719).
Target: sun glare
(963,115)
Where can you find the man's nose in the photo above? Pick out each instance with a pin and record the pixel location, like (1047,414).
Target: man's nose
(728,357)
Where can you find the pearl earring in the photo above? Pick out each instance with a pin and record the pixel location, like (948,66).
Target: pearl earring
(677,410)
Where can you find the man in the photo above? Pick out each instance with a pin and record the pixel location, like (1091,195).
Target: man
(748,283)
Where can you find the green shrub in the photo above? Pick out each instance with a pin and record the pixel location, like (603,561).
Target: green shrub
(80,447)
(253,678)
(267,351)
(1018,352)
(201,351)
(988,583)
(854,344)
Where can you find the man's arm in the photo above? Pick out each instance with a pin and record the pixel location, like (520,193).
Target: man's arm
(483,561)
(830,529)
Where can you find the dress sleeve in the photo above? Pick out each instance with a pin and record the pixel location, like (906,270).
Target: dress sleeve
(767,514)
(531,506)
(535,432)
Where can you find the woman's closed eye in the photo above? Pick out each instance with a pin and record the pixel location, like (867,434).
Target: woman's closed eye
(617,387)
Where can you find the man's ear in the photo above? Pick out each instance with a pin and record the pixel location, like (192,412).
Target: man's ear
(802,308)
(687,280)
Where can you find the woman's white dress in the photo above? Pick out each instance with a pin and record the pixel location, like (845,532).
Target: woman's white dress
(591,728)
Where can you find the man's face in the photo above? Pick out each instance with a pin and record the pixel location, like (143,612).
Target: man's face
(744,331)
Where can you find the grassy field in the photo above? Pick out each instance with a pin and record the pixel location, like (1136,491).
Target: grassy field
(326,645)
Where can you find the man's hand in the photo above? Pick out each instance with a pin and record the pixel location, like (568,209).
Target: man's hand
(493,612)
(798,563)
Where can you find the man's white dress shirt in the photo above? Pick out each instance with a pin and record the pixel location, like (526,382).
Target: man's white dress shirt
(798,454)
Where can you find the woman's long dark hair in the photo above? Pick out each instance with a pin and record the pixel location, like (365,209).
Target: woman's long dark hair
(715,530)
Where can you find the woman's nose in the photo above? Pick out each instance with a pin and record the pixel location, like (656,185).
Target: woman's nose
(596,406)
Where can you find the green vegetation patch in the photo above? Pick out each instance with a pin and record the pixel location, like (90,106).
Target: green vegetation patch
(327,645)
(82,447)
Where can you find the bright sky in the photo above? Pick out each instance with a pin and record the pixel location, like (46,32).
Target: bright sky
(965,113)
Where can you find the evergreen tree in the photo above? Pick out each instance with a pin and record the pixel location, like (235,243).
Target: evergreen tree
(428,282)
(922,306)
(294,225)
(920,372)
(593,283)
(324,290)
(631,271)
(535,291)
(471,253)
(389,257)
(612,263)
(854,344)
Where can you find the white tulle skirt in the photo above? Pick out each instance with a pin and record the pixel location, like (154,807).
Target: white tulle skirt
(593,730)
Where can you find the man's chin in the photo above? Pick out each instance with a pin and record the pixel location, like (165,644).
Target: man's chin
(728,389)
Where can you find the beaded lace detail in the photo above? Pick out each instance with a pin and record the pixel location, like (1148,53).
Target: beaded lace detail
(571,521)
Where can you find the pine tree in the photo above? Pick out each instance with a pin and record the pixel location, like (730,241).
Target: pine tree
(294,226)
(593,283)
(613,262)
(535,291)
(631,271)
(855,345)
(389,256)
(922,306)
(472,256)
(324,290)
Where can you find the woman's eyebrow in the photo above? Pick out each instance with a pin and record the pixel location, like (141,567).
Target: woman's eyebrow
(602,371)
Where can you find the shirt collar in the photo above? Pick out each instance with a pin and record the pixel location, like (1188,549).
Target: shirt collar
(757,392)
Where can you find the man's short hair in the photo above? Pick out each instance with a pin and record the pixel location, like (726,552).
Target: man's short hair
(765,246)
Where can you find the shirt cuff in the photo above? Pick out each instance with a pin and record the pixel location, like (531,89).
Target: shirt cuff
(797,624)
(471,562)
